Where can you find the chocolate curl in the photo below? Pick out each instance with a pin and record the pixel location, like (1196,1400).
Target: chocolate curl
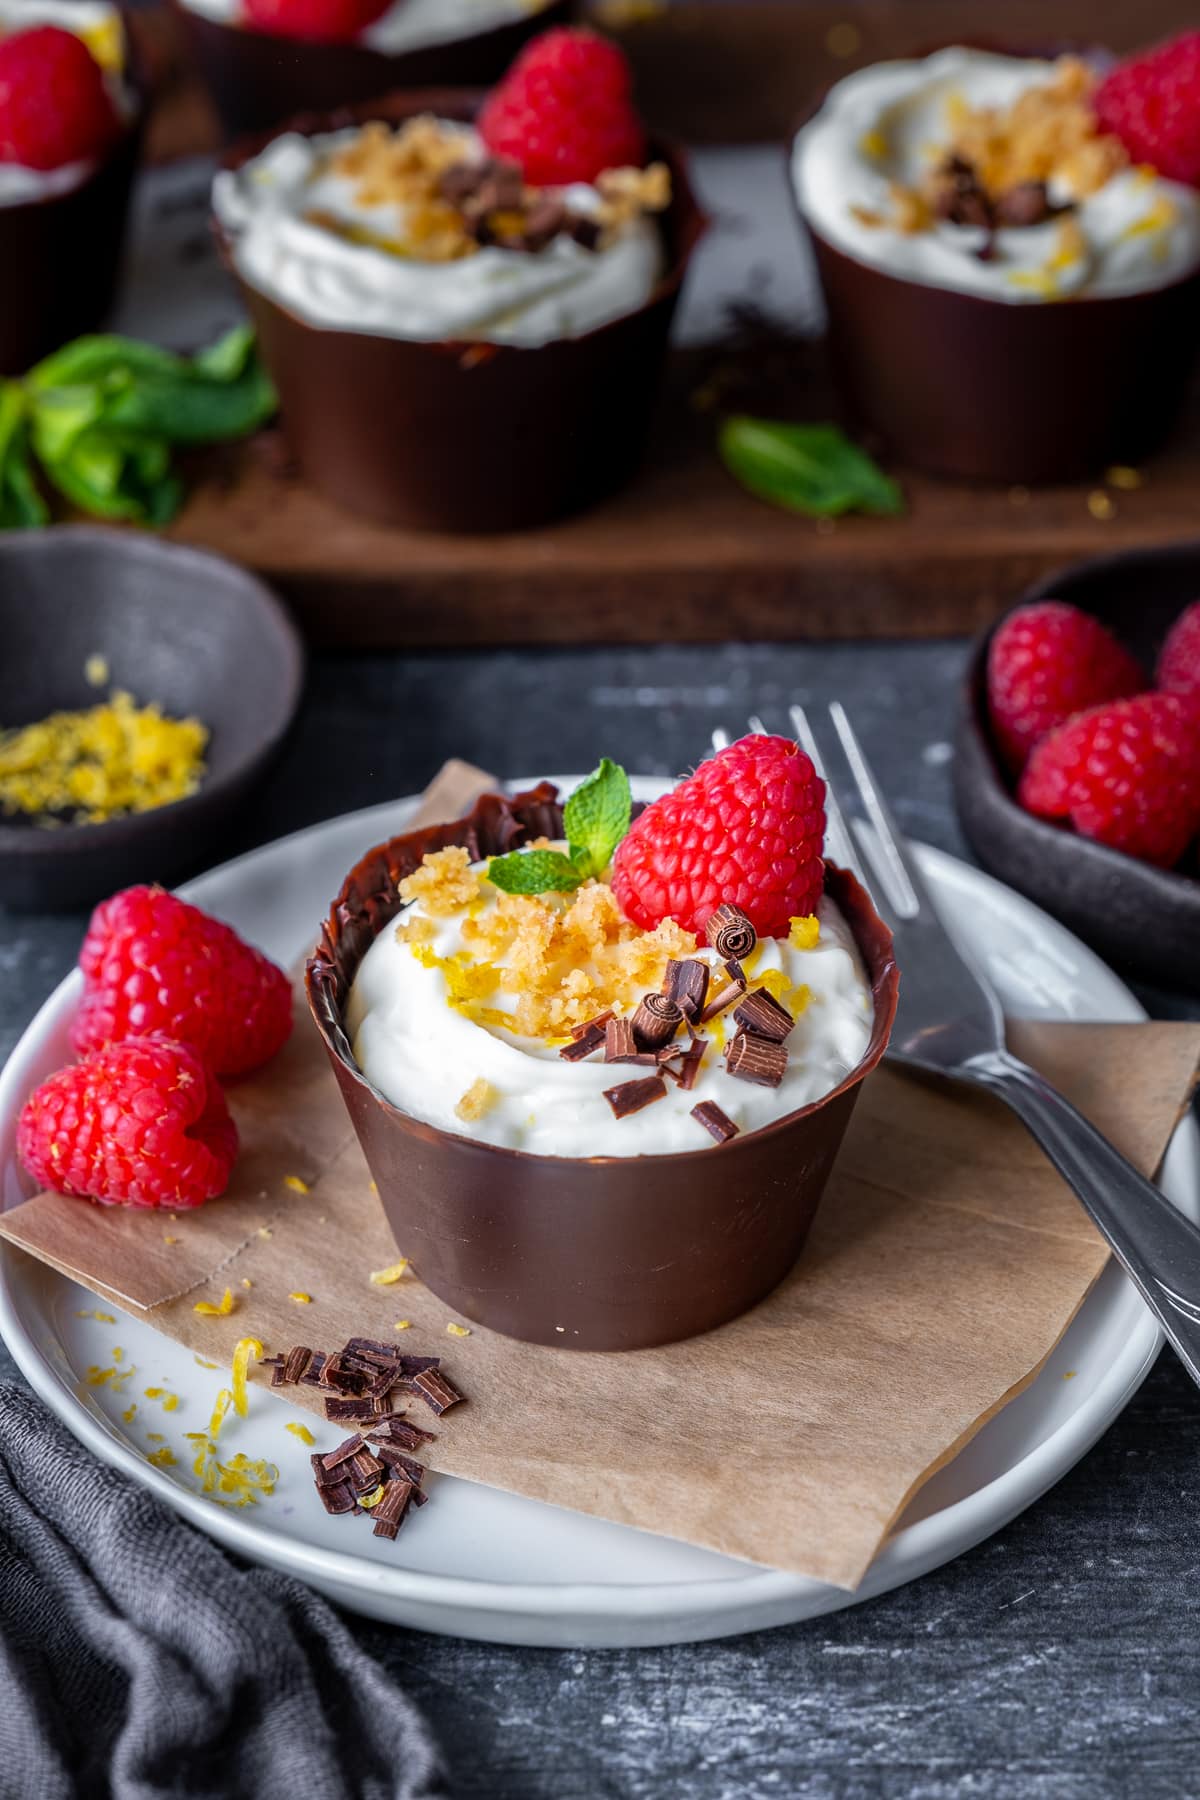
(731,934)
(656,1021)
(757,1059)
(762,1014)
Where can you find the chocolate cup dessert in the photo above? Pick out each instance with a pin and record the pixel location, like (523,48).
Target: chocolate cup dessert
(257,79)
(1145,921)
(995,391)
(61,255)
(589,1253)
(468,436)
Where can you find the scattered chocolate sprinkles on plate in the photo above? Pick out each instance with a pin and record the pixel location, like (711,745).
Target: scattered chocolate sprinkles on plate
(717,1123)
(731,934)
(371,1474)
(632,1096)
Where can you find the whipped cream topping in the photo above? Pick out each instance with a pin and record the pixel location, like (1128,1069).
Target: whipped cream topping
(883,128)
(277,211)
(409,24)
(100,27)
(425,1054)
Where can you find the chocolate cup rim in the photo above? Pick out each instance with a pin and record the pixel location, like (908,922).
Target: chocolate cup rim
(974,724)
(860,913)
(462,103)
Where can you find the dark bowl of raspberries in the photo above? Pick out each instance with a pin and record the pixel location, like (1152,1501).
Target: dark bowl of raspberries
(1077,773)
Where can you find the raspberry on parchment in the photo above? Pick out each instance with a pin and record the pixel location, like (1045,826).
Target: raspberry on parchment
(1045,662)
(138,1124)
(153,964)
(746,830)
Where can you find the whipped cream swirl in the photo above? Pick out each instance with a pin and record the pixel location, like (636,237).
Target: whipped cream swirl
(882,129)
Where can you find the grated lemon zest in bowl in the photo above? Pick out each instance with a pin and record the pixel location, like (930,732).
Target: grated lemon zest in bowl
(101,763)
(207,1310)
(162,1459)
(243,1351)
(394,1272)
(104,1318)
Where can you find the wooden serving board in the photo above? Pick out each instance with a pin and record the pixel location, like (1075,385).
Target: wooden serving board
(685,554)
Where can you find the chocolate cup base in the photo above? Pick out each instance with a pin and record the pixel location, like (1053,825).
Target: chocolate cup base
(61,256)
(1011,392)
(470,437)
(256,80)
(590,1253)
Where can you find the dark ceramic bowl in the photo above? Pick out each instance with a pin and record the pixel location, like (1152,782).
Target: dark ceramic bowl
(1144,921)
(1013,392)
(61,257)
(470,437)
(588,1253)
(176,626)
(256,79)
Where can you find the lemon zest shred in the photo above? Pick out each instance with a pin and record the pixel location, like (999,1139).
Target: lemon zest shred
(300,1431)
(207,1310)
(296,1184)
(162,1459)
(458,1330)
(402,1325)
(394,1272)
(243,1350)
(104,1318)
(301,1299)
(374,1497)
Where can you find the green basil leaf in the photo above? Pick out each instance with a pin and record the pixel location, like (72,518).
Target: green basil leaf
(596,817)
(229,357)
(21,505)
(534,872)
(195,412)
(812,469)
(99,357)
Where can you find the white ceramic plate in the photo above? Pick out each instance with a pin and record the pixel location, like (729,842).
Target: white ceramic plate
(488,1565)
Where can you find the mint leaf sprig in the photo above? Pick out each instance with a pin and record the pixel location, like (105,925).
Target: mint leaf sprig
(811,469)
(595,819)
(100,417)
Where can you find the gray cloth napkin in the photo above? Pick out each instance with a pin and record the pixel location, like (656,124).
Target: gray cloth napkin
(137,1661)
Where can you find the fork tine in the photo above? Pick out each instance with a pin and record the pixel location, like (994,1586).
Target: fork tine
(837,832)
(896,867)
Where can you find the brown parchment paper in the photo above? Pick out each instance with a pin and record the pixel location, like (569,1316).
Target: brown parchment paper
(946,1261)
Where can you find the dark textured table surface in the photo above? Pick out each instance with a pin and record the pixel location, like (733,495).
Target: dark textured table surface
(1058,1661)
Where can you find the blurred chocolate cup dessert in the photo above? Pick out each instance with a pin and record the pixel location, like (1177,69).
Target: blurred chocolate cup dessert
(1010,297)
(454,349)
(257,78)
(581,1250)
(62,228)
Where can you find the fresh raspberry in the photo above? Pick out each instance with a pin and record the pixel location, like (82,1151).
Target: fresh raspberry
(1152,103)
(1178,670)
(1045,662)
(153,964)
(54,106)
(564,110)
(138,1124)
(1127,775)
(746,828)
(315,21)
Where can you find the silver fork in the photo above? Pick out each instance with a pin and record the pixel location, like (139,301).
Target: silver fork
(950,1025)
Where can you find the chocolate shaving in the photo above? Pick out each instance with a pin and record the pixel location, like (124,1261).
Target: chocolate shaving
(338,1497)
(346,1449)
(371,1350)
(350,1412)
(1027,203)
(438,1393)
(398,1430)
(619,1044)
(632,1096)
(758,1059)
(297,1363)
(687,984)
(656,1021)
(396,1459)
(364,1470)
(316,1368)
(731,934)
(718,1124)
(762,1014)
(735,972)
(416,1365)
(732,991)
(389,1514)
(600,1021)
(689,1064)
(591,1041)
(321,1475)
